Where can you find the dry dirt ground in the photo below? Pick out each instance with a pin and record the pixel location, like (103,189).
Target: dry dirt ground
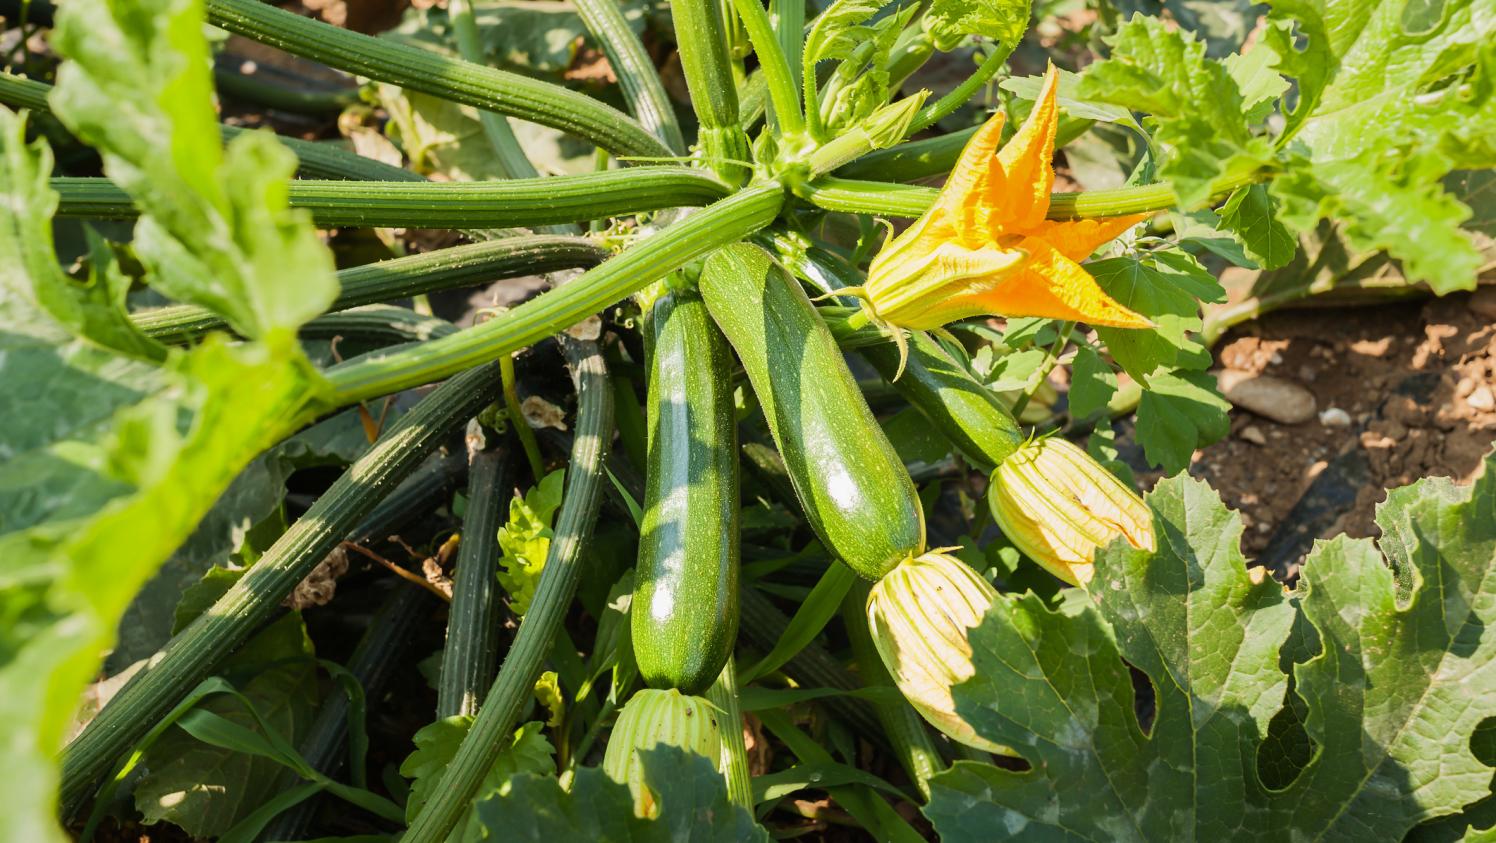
(1416,384)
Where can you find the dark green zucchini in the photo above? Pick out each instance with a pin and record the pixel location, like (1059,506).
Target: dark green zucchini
(684,614)
(854,489)
(963,410)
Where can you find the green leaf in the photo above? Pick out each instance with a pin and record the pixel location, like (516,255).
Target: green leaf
(1393,695)
(1092,383)
(109,461)
(526,539)
(1068,97)
(691,794)
(951,21)
(436,744)
(1392,96)
(1167,286)
(1249,213)
(206,789)
(1259,83)
(217,229)
(1195,108)
(1179,412)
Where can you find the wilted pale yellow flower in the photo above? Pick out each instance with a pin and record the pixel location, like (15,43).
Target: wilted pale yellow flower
(985,246)
(919,616)
(651,718)
(1058,505)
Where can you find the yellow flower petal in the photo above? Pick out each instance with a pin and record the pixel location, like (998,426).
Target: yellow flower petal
(1027,165)
(1054,286)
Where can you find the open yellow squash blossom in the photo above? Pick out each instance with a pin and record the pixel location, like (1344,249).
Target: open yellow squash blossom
(985,246)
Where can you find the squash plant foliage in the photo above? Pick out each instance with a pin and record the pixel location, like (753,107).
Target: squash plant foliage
(132,438)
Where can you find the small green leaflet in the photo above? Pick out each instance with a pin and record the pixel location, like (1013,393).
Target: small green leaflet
(436,744)
(1402,675)
(526,539)
(1167,286)
(951,21)
(1248,213)
(1195,108)
(691,793)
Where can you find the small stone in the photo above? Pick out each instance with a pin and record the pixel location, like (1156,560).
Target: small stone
(1483,302)
(1482,399)
(1280,400)
(1372,348)
(1335,417)
(1264,527)
(1251,434)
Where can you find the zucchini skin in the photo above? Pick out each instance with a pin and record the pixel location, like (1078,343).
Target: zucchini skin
(851,483)
(961,408)
(684,614)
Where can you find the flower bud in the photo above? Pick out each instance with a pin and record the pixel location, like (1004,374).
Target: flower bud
(1057,505)
(655,717)
(919,616)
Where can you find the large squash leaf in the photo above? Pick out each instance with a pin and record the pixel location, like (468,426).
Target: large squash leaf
(1402,676)
(113,449)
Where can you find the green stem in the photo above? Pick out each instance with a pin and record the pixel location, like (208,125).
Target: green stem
(522,429)
(906,730)
(724,695)
(903,200)
(636,73)
(508,154)
(558,581)
(378,324)
(550,312)
(959,95)
(20,92)
(783,92)
(192,655)
(910,160)
(707,67)
(472,623)
(428,72)
(444,269)
(1051,358)
(461,205)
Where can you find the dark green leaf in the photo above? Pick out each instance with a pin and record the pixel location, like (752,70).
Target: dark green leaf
(1179,412)
(1249,213)
(1092,383)
(1167,286)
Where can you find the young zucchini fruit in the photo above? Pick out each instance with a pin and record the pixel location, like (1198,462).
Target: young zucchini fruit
(969,415)
(684,614)
(855,490)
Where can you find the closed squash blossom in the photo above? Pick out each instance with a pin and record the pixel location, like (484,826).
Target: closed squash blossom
(985,246)
(652,718)
(919,616)
(1058,505)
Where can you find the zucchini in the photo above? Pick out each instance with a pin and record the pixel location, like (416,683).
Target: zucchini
(685,608)
(855,491)
(961,408)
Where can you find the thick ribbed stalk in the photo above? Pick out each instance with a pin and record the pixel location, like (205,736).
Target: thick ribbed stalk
(379,324)
(558,582)
(546,314)
(472,649)
(422,70)
(708,69)
(958,96)
(19,92)
(783,92)
(373,662)
(508,154)
(192,655)
(317,160)
(852,196)
(906,731)
(635,70)
(724,695)
(526,202)
(788,17)
(444,269)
